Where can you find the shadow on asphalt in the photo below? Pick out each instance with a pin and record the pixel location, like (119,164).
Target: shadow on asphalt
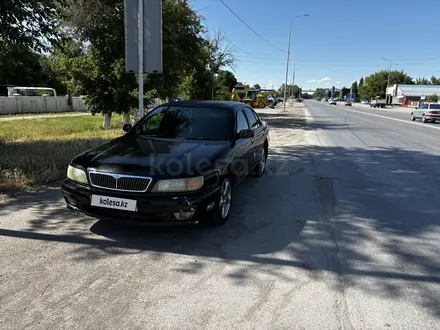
(330,225)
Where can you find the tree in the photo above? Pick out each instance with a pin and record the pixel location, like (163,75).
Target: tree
(290,90)
(224,83)
(189,60)
(361,82)
(29,25)
(422,81)
(227,79)
(219,56)
(27,68)
(376,84)
(257,86)
(435,81)
(333,91)
(354,87)
(433,98)
(319,93)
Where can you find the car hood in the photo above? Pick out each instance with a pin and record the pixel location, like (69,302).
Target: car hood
(154,157)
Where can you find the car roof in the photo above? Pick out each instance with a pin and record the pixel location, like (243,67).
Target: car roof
(206,103)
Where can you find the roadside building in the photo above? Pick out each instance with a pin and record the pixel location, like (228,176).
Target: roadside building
(411,95)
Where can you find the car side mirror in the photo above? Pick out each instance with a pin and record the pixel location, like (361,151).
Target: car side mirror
(417,108)
(127,127)
(246,134)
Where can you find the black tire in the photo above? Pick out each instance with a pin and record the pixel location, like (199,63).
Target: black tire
(423,119)
(260,169)
(217,216)
(433,121)
(412,117)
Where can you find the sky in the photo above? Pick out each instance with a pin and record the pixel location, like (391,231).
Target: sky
(340,42)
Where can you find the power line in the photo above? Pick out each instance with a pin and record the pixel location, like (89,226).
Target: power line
(256,33)
(233,45)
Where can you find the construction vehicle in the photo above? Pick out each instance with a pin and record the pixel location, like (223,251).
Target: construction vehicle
(257,98)
(238,93)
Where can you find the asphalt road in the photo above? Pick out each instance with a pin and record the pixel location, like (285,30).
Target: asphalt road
(341,233)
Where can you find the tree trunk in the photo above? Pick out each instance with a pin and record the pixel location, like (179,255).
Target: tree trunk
(107,121)
(136,116)
(125,118)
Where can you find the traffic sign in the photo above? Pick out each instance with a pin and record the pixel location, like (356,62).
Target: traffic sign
(145,15)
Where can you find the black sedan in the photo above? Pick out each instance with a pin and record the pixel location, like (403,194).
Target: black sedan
(178,165)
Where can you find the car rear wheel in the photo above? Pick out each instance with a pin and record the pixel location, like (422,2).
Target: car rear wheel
(423,119)
(222,208)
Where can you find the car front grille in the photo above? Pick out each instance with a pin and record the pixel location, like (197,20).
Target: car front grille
(119,182)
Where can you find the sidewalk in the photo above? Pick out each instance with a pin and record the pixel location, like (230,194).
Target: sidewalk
(37,116)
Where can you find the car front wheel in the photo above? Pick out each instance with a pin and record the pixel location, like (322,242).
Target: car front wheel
(222,208)
(412,117)
(261,167)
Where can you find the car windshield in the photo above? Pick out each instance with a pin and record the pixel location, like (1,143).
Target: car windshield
(187,122)
(435,106)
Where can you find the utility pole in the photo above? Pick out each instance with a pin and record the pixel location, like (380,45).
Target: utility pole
(287,69)
(293,79)
(293,75)
(388,82)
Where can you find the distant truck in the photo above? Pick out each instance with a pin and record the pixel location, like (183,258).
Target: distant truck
(378,103)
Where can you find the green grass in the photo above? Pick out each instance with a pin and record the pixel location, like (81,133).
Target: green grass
(37,151)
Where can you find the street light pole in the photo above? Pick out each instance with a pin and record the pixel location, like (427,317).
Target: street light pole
(293,74)
(388,82)
(288,59)
(287,69)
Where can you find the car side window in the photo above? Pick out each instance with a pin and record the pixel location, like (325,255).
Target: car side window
(241,121)
(425,106)
(254,121)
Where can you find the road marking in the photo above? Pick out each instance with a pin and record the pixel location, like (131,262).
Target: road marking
(396,133)
(431,146)
(395,119)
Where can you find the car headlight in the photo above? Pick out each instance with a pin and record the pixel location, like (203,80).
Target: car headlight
(179,185)
(75,174)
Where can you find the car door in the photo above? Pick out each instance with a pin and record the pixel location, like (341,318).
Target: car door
(241,153)
(257,143)
(419,112)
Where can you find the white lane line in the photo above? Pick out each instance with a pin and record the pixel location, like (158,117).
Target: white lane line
(396,133)
(431,146)
(395,119)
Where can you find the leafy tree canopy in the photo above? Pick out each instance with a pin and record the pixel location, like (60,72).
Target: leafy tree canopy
(29,25)
(375,85)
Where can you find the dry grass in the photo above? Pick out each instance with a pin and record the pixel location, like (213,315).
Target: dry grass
(35,152)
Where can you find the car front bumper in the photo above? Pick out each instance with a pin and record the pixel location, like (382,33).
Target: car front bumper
(154,210)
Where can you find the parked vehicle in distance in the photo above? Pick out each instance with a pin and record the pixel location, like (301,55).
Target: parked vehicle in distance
(378,103)
(365,102)
(332,101)
(347,103)
(426,112)
(177,165)
(298,100)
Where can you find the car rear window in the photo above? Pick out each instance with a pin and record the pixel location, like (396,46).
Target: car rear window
(188,122)
(434,106)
